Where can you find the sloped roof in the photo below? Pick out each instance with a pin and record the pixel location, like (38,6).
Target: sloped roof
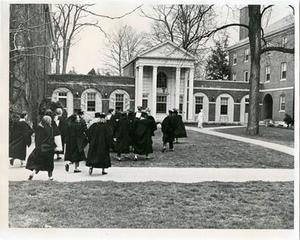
(166,49)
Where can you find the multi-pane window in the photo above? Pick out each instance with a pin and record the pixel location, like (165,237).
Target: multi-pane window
(246,55)
(198,104)
(282,103)
(284,41)
(224,106)
(283,70)
(180,103)
(246,76)
(91,102)
(119,102)
(144,103)
(268,73)
(62,98)
(161,104)
(234,59)
(234,76)
(161,80)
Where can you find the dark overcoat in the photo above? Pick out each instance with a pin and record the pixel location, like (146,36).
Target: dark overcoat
(168,128)
(76,140)
(179,131)
(100,143)
(143,130)
(122,135)
(19,138)
(41,158)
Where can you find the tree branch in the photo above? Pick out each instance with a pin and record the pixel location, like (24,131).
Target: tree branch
(278,49)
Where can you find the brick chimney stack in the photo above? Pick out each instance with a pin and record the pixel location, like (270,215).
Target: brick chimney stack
(244,19)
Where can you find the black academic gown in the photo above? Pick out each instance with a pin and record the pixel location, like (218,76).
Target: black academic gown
(76,140)
(167,128)
(62,125)
(19,138)
(41,158)
(143,130)
(100,143)
(179,131)
(122,135)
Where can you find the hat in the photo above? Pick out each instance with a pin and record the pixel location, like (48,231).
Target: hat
(175,110)
(97,115)
(170,110)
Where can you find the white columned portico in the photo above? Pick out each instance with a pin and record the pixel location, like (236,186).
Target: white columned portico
(139,97)
(177,87)
(154,91)
(191,96)
(184,109)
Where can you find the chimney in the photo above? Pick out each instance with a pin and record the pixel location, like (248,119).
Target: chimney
(244,19)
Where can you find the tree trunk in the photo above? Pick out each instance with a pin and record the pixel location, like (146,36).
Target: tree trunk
(255,47)
(66,50)
(57,59)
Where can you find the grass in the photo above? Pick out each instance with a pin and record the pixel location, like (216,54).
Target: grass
(282,136)
(202,150)
(250,205)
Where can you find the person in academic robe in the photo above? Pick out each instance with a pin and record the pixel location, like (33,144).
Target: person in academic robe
(76,140)
(200,119)
(100,143)
(143,130)
(113,124)
(122,136)
(168,129)
(138,114)
(62,125)
(41,158)
(19,138)
(179,131)
(131,120)
(152,121)
(95,119)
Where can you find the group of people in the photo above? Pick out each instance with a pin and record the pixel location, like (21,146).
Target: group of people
(120,132)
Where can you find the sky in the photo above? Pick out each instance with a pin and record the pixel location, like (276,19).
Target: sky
(90,50)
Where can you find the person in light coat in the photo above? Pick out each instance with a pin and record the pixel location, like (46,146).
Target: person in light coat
(200,119)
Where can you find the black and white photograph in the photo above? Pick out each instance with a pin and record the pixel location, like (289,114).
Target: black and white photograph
(151,116)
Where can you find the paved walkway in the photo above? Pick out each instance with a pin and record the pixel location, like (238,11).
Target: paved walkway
(274,146)
(143,174)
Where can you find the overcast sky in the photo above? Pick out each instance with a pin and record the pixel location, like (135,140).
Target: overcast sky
(89,49)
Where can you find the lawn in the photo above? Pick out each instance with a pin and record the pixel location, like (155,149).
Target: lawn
(202,150)
(270,134)
(255,205)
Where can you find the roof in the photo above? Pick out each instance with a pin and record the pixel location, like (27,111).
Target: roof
(154,50)
(278,26)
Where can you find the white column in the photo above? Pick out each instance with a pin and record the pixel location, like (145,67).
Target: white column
(140,87)
(191,97)
(136,87)
(154,91)
(177,87)
(184,109)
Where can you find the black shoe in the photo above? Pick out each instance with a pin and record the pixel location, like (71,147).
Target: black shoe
(11,161)
(67,167)
(103,173)
(77,171)
(163,150)
(135,158)
(30,177)
(90,171)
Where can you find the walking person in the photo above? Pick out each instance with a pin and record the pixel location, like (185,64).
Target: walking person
(41,159)
(62,125)
(19,138)
(200,119)
(168,128)
(76,140)
(179,131)
(100,143)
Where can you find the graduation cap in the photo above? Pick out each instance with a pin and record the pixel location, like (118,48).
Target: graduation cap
(97,115)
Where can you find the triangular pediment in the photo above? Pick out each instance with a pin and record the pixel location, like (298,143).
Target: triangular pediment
(167,50)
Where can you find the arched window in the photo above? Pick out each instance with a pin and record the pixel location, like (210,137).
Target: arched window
(224,108)
(201,102)
(64,96)
(119,100)
(161,80)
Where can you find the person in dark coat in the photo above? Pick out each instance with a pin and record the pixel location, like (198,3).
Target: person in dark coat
(19,138)
(143,130)
(100,143)
(41,159)
(62,125)
(180,131)
(168,129)
(152,120)
(122,136)
(76,140)
(131,119)
(110,122)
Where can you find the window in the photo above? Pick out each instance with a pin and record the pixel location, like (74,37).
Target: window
(161,104)
(144,103)
(268,73)
(246,76)
(91,102)
(282,103)
(119,102)
(234,76)
(247,105)
(198,104)
(224,105)
(161,80)
(180,103)
(283,71)
(283,41)
(246,55)
(234,59)
(62,98)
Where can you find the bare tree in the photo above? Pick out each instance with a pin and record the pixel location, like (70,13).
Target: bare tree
(125,43)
